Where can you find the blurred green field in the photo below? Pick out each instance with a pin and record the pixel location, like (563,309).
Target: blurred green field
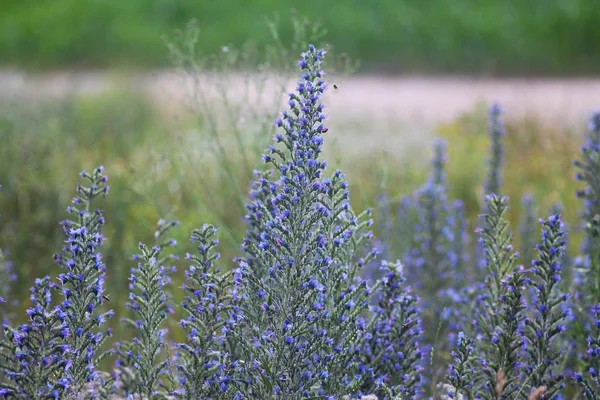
(529,37)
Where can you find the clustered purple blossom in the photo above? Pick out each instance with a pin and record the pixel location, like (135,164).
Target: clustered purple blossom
(391,350)
(58,352)
(206,365)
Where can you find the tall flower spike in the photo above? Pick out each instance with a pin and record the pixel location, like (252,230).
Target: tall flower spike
(428,264)
(391,348)
(139,368)
(284,262)
(496,131)
(438,172)
(205,365)
(589,174)
(348,245)
(398,241)
(503,359)
(460,379)
(528,231)
(459,246)
(302,292)
(547,323)
(460,294)
(35,357)
(82,283)
(588,266)
(500,316)
(431,261)
(496,239)
(568,259)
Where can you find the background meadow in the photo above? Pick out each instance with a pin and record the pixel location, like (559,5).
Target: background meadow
(188,153)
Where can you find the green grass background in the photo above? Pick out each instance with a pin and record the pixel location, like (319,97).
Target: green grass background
(555,37)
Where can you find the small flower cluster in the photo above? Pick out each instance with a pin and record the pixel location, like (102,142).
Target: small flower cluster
(57,352)
(501,316)
(34,355)
(549,315)
(392,342)
(82,283)
(207,366)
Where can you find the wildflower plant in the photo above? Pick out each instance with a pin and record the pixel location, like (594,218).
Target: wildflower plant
(428,263)
(460,380)
(206,365)
(587,275)
(501,318)
(528,229)
(303,298)
(392,344)
(589,173)
(496,132)
(34,357)
(139,367)
(545,326)
(82,283)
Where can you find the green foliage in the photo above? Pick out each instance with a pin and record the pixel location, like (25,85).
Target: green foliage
(536,36)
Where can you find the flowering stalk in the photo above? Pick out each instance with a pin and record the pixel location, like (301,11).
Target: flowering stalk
(548,320)
(428,264)
(391,347)
(33,358)
(587,275)
(589,166)
(461,378)
(206,365)
(501,315)
(303,299)
(438,164)
(528,229)
(348,243)
(82,284)
(459,243)
(503,362)
(284,299)
(139,370)
(496,132)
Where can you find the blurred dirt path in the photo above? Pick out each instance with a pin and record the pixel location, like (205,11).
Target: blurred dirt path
(427,98)
(369,106)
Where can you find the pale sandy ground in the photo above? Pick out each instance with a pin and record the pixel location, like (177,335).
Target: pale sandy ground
(365,111)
